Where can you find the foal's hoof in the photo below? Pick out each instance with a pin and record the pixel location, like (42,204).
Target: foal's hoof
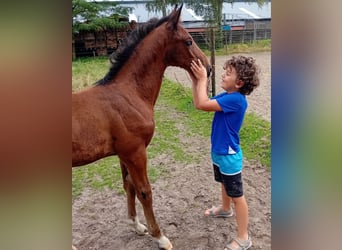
(164,243)
(141,229)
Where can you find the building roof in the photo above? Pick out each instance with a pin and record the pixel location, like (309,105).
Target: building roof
(241,10)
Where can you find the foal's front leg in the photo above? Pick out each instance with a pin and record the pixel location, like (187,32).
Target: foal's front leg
(136,166)
(130,192)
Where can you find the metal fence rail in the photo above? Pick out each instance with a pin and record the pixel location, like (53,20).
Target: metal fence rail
(231,36)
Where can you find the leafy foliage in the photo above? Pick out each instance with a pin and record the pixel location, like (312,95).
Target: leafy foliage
(160,5)
(211,10)
(92,16)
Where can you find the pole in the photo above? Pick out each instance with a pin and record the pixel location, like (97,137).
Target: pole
(212,61)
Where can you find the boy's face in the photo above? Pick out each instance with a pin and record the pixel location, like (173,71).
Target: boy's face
(229,81)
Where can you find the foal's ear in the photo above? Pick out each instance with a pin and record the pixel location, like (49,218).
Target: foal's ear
(174,18)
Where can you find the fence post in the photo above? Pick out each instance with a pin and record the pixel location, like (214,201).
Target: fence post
(254,33)
(212,61)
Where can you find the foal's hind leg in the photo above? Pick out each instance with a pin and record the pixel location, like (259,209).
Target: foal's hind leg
(136,166)
(130,192)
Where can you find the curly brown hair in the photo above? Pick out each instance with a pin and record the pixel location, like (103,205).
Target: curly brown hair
(247,71)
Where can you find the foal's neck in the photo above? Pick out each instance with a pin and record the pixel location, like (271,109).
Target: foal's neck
(146,68)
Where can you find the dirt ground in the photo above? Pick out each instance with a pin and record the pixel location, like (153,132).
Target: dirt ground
(100,217)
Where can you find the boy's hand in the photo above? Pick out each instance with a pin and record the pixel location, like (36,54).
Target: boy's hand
(199,70)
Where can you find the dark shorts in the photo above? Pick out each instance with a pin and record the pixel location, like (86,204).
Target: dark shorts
(232,183)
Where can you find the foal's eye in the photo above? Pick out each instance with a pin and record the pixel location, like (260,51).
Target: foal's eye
(188,43)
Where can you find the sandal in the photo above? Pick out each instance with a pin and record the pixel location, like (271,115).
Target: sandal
(243,244)
(217,212)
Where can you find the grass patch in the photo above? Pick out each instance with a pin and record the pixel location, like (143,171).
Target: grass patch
(165,139)
(257,46)
(180,98)
(255,134)
(86,71)
(255,138)
(102,174)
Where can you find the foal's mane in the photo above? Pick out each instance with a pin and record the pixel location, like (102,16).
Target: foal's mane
(124,51)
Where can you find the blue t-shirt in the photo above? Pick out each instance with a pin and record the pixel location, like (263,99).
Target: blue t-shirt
(226,124)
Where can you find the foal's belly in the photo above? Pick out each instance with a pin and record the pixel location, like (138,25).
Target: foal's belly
(89,147)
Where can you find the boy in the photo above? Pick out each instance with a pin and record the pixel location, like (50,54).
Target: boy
(239,79)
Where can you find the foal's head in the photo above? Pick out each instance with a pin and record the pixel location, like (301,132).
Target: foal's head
(178,48)
(181,48)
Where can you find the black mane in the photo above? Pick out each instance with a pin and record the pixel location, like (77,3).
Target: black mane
(124,51)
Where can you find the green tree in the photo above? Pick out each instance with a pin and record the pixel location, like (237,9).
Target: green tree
(83,14)
(96,16)
(160,5)
(211,10)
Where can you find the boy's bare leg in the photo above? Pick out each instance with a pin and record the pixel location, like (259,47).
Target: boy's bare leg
(241,211)
(226,200)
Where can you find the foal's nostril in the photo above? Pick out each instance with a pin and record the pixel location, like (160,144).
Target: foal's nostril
(209,71)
